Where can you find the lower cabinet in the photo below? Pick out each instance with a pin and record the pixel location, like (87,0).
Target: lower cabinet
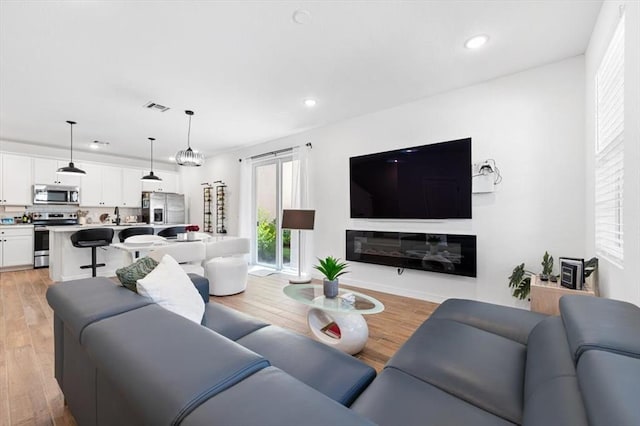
(16,246)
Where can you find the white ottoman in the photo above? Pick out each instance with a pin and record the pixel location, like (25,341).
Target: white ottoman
(226,275)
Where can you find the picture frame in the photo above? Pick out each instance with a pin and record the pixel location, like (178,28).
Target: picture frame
(572,272)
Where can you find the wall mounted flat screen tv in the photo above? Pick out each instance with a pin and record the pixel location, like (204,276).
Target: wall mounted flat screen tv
(423,182)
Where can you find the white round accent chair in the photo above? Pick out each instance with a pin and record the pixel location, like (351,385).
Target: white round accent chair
(225,266)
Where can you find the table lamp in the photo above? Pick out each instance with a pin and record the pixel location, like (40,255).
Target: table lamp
(298,220)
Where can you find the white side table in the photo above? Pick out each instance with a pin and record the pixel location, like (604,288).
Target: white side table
(336,322)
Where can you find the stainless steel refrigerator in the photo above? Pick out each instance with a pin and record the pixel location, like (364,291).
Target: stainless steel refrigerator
(163,208)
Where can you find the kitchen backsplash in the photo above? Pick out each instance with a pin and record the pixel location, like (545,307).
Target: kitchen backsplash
(94,212)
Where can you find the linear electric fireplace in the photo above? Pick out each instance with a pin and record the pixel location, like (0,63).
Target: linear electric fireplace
(446,253)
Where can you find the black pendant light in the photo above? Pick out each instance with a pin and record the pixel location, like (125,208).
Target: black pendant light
(151,176)
(187,157)
(71,169)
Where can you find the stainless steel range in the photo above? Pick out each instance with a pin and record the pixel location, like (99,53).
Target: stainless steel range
(41,234)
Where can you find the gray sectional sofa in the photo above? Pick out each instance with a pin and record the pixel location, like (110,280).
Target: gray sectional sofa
(120,360)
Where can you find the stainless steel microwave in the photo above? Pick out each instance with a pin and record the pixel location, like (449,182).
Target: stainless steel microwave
(56,194)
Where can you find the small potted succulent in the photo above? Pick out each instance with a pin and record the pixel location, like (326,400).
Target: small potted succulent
(331,268)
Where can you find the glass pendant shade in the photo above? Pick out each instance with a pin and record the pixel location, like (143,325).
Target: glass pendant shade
(151,176)
(71,169)
(188,157)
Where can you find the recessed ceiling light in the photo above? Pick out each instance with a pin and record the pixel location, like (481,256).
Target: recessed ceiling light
(310,103)
(476,42)
(302,17)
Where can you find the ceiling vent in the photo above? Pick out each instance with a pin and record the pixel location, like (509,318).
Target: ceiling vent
(155,106)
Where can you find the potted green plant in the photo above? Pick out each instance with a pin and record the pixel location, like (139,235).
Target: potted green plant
(520,279)
(331,268)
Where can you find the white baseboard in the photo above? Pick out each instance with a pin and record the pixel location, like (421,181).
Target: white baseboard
(101,273)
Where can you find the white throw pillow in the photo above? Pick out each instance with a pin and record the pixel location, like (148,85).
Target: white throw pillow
(169,286)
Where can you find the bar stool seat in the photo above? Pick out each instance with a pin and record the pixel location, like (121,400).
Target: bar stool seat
(92,238)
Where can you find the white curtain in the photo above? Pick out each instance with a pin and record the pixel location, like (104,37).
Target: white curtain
(301,200)
(246,225)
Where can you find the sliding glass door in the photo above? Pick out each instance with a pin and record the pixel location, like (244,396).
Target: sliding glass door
(273,183)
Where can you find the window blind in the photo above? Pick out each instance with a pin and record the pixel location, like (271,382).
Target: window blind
(609,161)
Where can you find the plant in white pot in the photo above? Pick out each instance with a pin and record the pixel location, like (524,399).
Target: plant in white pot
(331,268)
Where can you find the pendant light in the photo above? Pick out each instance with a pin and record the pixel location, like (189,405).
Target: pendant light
(188,157)
(71,169)
(151,176)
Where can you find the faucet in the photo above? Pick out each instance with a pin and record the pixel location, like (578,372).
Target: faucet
(117,213)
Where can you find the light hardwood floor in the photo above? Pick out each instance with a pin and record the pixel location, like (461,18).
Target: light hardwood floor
(29,394)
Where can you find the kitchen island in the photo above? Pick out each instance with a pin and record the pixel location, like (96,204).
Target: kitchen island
(65,260)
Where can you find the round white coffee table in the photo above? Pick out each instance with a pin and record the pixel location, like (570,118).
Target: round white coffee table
(336,322)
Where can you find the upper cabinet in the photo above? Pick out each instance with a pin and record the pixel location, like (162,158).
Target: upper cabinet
(131,187)
(45,172)
(15,180)
(169,182)
(101,186)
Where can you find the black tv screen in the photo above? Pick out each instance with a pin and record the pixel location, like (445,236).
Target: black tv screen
(423,182)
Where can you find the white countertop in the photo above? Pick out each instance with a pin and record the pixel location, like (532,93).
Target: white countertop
(74,228)
(18,225)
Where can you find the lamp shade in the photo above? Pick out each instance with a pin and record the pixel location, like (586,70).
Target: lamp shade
(298,219)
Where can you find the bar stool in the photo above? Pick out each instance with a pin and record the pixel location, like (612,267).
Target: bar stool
(134,230)
(92,238)
(172,231)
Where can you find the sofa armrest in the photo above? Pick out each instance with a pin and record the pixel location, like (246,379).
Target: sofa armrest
(202,285)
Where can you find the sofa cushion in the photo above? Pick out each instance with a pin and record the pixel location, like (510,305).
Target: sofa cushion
(271,397)
(170,287)
(551,392)
(480,367)
(512,323)
(229,322)
(610,385)
(101,298)
(605,324)
(130,274)
(335,374)
(397,398)
(548,355)
(163,378)
(201,284)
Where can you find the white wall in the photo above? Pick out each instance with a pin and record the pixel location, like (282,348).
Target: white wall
(224,167)
(615,282)
(531,123)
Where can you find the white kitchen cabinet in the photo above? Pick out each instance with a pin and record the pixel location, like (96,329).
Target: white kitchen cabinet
(111,186)
(16,246)
(91,187)
(15,180)
(101,186)
(45,173)
(131,187)
(169,182)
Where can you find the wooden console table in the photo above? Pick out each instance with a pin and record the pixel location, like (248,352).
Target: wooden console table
(545,295)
